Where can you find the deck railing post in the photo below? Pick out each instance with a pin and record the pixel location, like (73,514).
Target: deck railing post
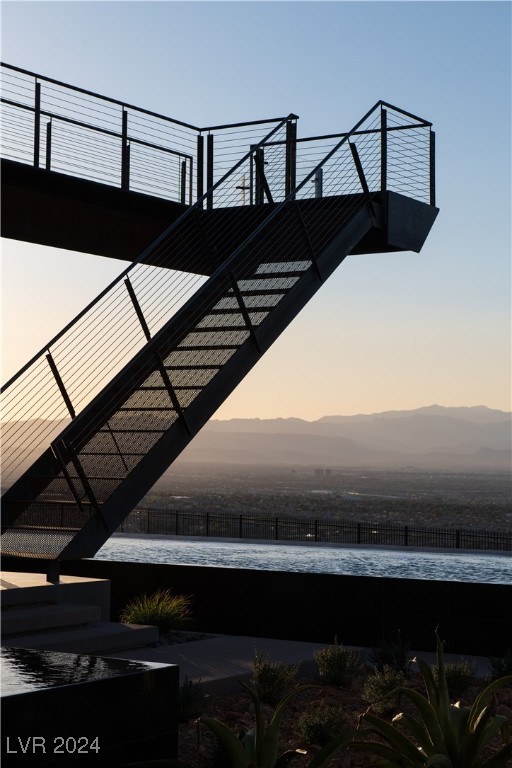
(383,160)
(291,157)
(200,169)
(183,181)
(319,182)
(125,154)
(209,170)
(49,145)
(37,123)
(432,168)
(259,162)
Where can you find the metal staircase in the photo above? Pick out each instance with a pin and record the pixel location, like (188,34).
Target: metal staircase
(139,372)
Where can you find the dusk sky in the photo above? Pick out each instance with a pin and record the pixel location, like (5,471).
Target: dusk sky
(388,331)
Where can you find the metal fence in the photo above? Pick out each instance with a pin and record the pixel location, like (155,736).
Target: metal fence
(144,520)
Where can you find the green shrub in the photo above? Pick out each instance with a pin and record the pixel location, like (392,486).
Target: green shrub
(379,686)
(272,679)
(192,700)
(391,652)
(320,725)
(459,676)
(337,665)
(501,666)
(161,609)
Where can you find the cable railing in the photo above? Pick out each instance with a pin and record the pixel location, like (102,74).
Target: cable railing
(171,522)
(65,376)
(63,128)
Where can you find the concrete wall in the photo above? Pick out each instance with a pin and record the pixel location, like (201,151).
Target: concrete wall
(472,618)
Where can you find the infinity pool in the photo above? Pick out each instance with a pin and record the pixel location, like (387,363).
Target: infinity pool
(311,558)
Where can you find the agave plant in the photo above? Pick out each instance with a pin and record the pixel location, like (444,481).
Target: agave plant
(444,735)
(259,747)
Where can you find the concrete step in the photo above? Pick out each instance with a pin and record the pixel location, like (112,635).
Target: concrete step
(21,619)
(29,588)
(97,638)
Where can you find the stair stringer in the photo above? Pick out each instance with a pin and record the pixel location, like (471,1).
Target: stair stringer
(176,439)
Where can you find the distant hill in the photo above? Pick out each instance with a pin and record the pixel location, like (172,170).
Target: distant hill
(434,437)
(476,438)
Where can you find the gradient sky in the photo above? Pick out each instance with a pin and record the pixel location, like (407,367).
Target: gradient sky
(392,331)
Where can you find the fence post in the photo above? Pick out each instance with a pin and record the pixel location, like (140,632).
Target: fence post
(276,529)
(240,523)
(183,182)
(457,539)
(49,145)
(147,520)
(176,522)
(259,162)
(384,162)
(125,154)
(291,157)
(406,535)
(316,530)
(37,123)
(432,168)
(209,170)
(319,182)
(207,523)
(200,168)
(359,533)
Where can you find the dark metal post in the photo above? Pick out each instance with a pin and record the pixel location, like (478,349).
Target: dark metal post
(183,181)
(276,529)
(432,168)
(261,179)
(37,123)
(259,160)
(125,154)
(49,145)
(209,170)
(200,167)
(383,161)
(362,177)
(60,384)
(319,182)
(137,307)
(291,157)
(251,176)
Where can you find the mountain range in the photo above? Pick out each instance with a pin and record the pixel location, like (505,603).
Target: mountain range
(437,437)
(434,437)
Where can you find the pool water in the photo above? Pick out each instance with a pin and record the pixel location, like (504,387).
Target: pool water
(312,558)
(25,670)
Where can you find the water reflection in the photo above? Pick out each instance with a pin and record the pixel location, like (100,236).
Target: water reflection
(312,558)
(24,670)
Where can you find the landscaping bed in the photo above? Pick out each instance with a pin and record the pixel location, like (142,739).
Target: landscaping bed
(235,710)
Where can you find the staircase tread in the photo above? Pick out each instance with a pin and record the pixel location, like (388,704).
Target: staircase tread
(99,635)
(40,617)
(97,626)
